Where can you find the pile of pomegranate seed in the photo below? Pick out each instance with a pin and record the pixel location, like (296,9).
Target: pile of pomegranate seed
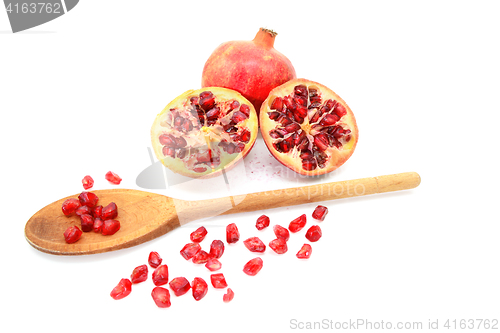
(193,251)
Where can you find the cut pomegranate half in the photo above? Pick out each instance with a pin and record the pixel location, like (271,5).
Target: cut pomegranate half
(307,127)
(204,131)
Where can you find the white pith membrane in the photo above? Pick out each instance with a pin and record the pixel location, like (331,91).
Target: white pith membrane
(308,127)
(196,142)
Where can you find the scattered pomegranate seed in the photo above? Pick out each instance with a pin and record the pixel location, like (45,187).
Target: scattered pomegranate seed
(298,223)
(198,235)
(213,264)
(88,199)
(109,212)
(110,227)
(113,178)
(262,222)
(281,232)
(218,281)
(154,259)
(216,249)
(189,250)
(97,211)
(228,296)
(180,286)
(98,224)
(320,213)
(254,244)
(314,233)
(232,233)
(161,297)
(122,289)
(201,257)
(199,287)
(253,266)
(160,275)
(87,182)
(70,206)
(72,234)
(304,252)
(139,274)
(278,245)
(83,210)
(87,222)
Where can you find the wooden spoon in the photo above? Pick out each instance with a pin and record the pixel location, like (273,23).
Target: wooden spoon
(145,216)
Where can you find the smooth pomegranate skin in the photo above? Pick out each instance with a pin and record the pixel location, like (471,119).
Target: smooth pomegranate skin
(253,266)
(199,288)
(307,127)
(203,132)
(252,68)
(161,297)
(122,289)
(72,234)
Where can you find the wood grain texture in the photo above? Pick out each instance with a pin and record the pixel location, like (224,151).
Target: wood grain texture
(144,216)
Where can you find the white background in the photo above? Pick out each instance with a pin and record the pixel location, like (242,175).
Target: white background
(78,96)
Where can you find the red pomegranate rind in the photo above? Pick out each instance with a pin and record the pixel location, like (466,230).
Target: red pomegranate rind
(216,249)
(232,233)
(179,285)
(253,266)
(278,245)
(228,296)
(254,244)
(304,252)
(109,212)
(122,289)
(110,227)
(154,259)
(198,235)
(213,264)
(161,297)
(262,222)
(281,232)
(70,206)
(199,288)
(113,178)
(160,275)
(139,274)
(87,182)
(297,224)
(201,257)
(88,199)
(72,234)
(218,281)
(314,233)
(190,250)
(308,127)
(87,222)
(205,131)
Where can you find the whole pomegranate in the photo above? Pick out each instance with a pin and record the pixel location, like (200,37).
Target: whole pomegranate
(204,131)
(252,68)
(308,127)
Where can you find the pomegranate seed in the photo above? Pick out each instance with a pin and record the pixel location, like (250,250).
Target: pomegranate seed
(98,224)
(139,274)
(87,222)
(72,234)
(88,199)
(97,211)
(154,259)
(238,116)
(213,264)
(262,222)
(314,233)
(180,286)
(84,210)
(228,296)
(253,266)
(218,281)
(298,223)
(161,297)
(232,233)
(87,182)
(245,109)
(109,212)
(340,110)
(189,250)
(309,165)
(198,235)
(70,206)
(113,178)
(278,245)
(160,275)
(329,119)
(281,232)
(216,249)
(122,289)
(304,252)
(199,287)
(110,227)
(207,100)
(167,140)
(320,213)
(254,244)
(201,257)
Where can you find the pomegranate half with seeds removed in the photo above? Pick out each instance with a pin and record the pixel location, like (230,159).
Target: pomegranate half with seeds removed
(308,127)
(204,131)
